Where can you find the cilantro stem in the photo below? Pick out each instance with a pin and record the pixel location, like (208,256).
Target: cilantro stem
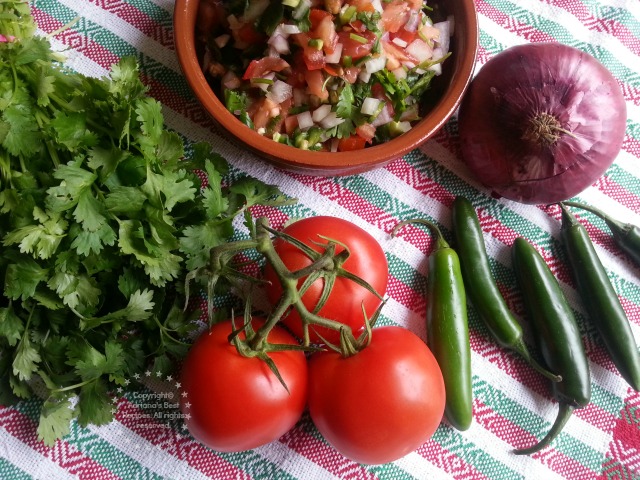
(74,386)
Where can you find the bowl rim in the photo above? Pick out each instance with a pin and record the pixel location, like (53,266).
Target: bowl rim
(295,158)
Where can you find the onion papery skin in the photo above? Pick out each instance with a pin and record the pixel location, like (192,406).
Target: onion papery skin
(564,84)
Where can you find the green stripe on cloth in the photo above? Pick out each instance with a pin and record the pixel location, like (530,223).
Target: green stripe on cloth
(94,446)
(9,471)
(248,461)
(598,9)
(119,47)
(561,34)
(535,425)
(160,15)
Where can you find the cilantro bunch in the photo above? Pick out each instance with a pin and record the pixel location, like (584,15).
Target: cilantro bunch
(101,218)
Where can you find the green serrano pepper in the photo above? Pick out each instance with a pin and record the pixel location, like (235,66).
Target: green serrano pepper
(626,235)
(556,334)
(447,327)
(600,298)
(481,286)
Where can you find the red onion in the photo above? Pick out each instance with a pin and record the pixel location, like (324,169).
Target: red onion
(541,122)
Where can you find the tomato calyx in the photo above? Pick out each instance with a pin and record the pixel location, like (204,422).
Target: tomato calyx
(247,347)
(326,264)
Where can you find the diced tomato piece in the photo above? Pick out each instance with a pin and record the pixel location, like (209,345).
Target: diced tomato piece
(350,74)
(315,84)
(404,35)
(395,15)
(249,35)
(316,15)
(209,14)
(313,58)
(415,4)
(257,68)
(362,5)
(333,70)
(260,112)
(394,51)
(290,124)
(354,48)
(326,31)
(366,131)
(354,142)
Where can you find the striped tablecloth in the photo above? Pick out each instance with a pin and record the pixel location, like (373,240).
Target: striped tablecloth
(512,405)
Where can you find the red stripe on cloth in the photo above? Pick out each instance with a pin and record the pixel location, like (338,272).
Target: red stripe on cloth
(170,441)
(67,456)
(511,24)
(620,194)
(517,436)
(304,442)
(139,20)
(608,26)
(73,39)
(449,461)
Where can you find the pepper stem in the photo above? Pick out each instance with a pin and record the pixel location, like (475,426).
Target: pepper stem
(440,240)
(564,413)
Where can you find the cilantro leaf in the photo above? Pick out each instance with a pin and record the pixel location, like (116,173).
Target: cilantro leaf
(55,418)
(26,359)
(11,326)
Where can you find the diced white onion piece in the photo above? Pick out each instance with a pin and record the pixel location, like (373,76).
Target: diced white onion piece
(382,119)
(304,120)
(262,130)
(290,29)
(377,4)
(375,64)
(222,40)
(400,42)
(419,50)
(331,120)
(364,76)
(230,80)
(436,68)
(280,91)
(334,144)
(438,53)
(321,112)
(404,127)
(301,9)
(255,82)
(335,56)
(414,21)
(370,105)
(400,73)
(445,32)
(279,44)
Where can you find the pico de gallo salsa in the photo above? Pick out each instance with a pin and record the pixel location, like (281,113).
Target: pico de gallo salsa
(332,75)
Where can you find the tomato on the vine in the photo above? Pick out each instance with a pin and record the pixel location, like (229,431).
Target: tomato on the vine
(233,403)
(345,303)
(381,403)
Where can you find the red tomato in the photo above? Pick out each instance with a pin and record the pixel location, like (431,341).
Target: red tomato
(353,48)
(257,68)
(235,403)
(380,404)
(395,15)
(366,131)
(315,84)
(367,261)
(354,142)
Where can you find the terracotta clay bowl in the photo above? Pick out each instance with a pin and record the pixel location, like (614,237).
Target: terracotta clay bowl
(441,101)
